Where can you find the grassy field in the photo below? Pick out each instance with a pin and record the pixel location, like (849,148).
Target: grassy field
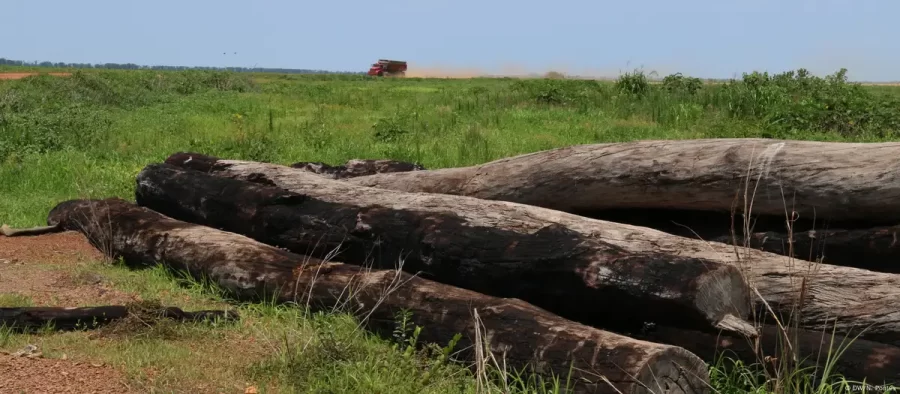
(88,135)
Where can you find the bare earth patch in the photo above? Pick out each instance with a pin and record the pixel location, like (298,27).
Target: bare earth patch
(23,75)
(64,269)
(45,270)
(51,286)
(49,270)
(42,375)
(67,247)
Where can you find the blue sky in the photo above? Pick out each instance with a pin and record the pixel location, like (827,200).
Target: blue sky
(703,38)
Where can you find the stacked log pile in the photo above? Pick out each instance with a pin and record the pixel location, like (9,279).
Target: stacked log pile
(569,256)
(251,270)
(844,187)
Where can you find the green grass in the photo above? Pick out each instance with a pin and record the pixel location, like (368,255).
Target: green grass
(14,300)
(282,348)
(89,135)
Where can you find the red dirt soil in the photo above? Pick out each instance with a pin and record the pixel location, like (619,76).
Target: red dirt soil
(43,375)
(23,75)
(54,270)
(67,247)
(43,268)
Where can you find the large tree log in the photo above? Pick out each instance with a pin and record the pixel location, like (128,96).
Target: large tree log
(492,247)
(247,269)
(843,298)
(874,248)
(853,358)
(826,180)
(61,318)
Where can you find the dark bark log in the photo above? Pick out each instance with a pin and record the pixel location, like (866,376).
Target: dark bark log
(33,318)
(492,247)
(874,249)
(250,270)
(357,167)
(844,298)
(853,358)
(825,180)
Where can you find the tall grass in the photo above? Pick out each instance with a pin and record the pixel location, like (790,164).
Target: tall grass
(84,112)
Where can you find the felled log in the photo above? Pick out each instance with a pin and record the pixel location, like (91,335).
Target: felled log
(250,270)
(853,358)
(496,248)
(874,248)
(61,318)
(827,297)
(825,180)
(357,167)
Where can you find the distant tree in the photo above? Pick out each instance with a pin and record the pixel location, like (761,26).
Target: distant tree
(132,66)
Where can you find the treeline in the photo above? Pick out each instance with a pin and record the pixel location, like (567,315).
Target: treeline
(132,66)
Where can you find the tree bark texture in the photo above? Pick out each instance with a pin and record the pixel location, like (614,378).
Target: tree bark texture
(829,297)
(251,270)
(497,248)
(61,318)
(875,249)
(357,167)
(825,180)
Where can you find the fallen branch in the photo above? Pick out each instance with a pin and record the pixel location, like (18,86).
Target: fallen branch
(60,318)
(496,248)
(18,232)
(247,269)
(819,297)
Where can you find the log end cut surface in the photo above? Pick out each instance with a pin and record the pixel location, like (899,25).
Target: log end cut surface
(674,370)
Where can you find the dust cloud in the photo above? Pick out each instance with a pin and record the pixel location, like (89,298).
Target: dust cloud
(506,72)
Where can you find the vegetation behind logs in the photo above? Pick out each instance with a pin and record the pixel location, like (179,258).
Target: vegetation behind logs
(89,135)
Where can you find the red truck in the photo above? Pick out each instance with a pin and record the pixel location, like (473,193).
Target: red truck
(388,68)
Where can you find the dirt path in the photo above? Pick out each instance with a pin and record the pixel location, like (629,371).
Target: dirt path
(23,75)
(47,270)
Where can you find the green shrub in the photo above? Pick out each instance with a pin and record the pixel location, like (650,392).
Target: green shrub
(558,91)
(678,83)
(796,100)
(635,83)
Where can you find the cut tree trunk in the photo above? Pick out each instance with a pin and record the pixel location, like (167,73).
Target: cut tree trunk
(842,298)
(825,180)
(61,318)
(492,247)
(875,249)
(357,167)
(251,270)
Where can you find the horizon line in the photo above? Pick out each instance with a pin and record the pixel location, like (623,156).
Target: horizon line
(4,62)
